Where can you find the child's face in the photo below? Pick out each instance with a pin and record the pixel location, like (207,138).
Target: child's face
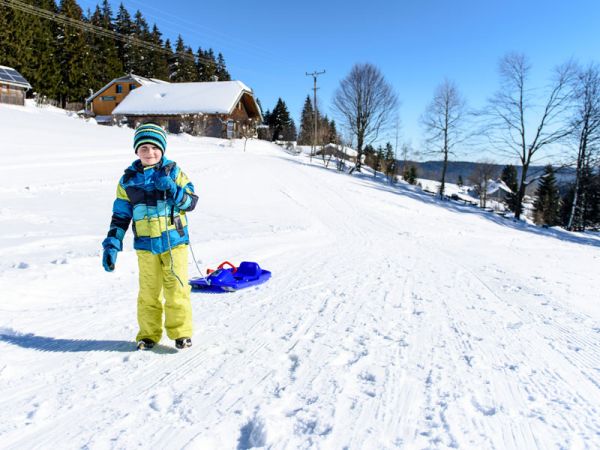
(149,154)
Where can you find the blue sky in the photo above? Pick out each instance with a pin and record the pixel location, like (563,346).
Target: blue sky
(270,45)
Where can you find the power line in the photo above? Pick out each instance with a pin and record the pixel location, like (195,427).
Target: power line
(99,31)
(315,74)
(215,35)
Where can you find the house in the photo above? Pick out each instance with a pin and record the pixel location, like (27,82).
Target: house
(338,151)
(497,190)
(223,109)
(13,86)
(102,103)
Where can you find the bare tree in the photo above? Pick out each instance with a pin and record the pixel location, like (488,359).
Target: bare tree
(443,121)
(366,103)
(480,178)
(247,130)
(586,122)
(510,112)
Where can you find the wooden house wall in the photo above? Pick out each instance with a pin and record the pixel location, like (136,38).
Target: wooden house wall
(108,100)
(12,95)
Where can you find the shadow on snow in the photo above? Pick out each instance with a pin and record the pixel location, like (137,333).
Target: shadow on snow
(50,344)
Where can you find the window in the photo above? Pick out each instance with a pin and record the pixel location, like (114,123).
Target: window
(119,88)
(132,86)
(108,98)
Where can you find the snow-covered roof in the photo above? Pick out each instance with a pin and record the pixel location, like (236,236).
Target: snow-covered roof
(497,185)
(212,97)
(10,76)
(131,77)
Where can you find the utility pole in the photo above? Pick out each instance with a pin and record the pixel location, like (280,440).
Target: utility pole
(314,75)
(395,152)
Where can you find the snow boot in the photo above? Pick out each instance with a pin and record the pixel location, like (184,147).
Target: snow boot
(145,344)
(183,342)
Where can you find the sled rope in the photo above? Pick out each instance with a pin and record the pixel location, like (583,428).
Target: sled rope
(169,238)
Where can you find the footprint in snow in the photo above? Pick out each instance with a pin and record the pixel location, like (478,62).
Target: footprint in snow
(161,401)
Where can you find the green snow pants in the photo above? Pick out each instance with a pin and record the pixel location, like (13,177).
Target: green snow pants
(156,279)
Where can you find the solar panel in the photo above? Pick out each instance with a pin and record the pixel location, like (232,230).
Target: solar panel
(10,75)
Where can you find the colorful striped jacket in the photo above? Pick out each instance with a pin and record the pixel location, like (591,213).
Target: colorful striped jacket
(150,209)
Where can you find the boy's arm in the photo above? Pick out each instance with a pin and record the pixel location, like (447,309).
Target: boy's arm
(121,217)
(185,199)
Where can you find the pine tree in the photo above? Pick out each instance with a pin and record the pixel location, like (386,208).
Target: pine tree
(6,17)
(410,174)
(106,64)
(547,203)
(379,157)
(222,72)
(159,66)
(333,134)
(324,130)
(281,124)
(306,123)
(369,154)
(594,210)
(44,71)
(206,65)
(124,25)
(509,177)
(185,69)
(140,56)
(390,164)
(171,61)
(17,37)
(74,57)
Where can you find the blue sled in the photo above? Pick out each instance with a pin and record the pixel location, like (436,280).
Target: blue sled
(230,280)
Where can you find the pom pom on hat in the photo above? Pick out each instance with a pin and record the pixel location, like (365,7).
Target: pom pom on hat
(150,133)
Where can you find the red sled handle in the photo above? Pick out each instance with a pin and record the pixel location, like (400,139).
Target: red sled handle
(222,265)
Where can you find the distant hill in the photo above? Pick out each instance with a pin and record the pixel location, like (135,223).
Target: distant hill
(432,170)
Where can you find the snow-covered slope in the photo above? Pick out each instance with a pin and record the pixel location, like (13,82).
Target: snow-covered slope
(391,320)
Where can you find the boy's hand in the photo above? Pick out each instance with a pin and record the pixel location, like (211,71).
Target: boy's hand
(166,184)
(109,258)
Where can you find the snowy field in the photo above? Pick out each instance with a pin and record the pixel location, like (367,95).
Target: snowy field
(392,320)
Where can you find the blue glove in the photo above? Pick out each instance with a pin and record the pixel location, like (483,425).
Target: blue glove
(109,258)
(166,184)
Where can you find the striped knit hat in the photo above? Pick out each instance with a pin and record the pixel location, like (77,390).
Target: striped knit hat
(150,133)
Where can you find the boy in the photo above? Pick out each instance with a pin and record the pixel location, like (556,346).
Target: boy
(155,194)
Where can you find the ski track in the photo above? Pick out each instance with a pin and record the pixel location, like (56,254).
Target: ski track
(393,343)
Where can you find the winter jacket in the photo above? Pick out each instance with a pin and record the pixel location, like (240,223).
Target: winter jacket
(150,209)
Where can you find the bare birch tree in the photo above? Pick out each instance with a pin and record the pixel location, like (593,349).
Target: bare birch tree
(443,121)
(586,122)
(366,104)
(511,110)
(481,177)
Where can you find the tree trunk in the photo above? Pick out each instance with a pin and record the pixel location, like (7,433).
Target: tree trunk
(359,150)
(521,191)
(444,168)
(578,175)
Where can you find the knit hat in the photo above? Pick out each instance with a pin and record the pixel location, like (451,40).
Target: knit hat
(150,133)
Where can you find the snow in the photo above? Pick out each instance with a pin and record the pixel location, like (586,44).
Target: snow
(393,319)
(216,97)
